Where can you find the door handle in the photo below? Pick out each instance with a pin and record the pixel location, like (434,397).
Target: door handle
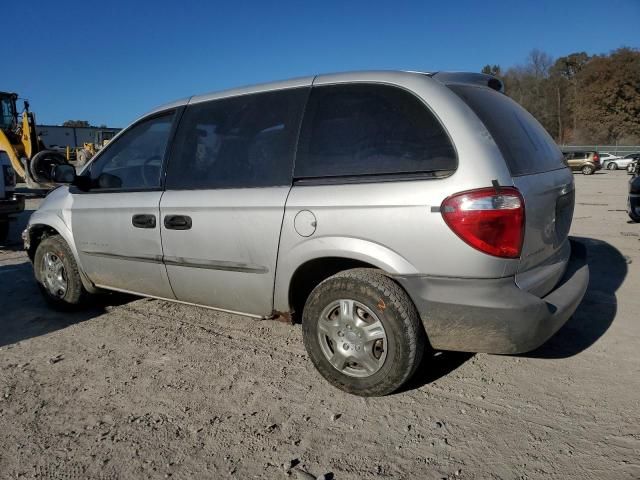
(144,220)
(177,222)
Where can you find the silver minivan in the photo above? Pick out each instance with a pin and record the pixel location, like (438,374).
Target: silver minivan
(387,212)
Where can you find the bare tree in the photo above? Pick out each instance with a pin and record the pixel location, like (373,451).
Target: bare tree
(580,98)
(539,63)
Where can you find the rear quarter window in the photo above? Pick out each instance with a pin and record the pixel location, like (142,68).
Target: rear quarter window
(370,129)
(525,145)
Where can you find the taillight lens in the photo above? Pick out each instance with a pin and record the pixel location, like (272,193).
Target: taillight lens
(488,220)
(596,158)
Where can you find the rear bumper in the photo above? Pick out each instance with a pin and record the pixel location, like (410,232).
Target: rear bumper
(494,315)
(13,204)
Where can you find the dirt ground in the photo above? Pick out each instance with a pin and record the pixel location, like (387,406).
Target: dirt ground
(141,388)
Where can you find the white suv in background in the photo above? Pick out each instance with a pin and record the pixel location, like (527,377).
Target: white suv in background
(620,162)
(605,158)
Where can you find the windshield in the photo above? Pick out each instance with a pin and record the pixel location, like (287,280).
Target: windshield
(7,112)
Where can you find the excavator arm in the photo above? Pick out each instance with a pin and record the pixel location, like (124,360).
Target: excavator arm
(14,152)
(27,154)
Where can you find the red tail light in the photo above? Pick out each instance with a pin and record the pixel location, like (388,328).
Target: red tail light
(490,221)
(596,158)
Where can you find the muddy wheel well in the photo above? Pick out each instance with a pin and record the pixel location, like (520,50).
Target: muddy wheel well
(37,233)
(310,274)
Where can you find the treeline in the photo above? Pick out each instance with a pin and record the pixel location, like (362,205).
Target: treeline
(580,99)
(80,123)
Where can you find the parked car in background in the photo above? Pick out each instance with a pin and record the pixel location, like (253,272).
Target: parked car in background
(386,211)
(633,167)
(621,163)
(583,161)
(605,158)
(10,203)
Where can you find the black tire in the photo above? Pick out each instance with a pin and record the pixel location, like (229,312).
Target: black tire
(75,294)
(405,336)
(612,166)
(633,216)
(83,157)
(4,231)
(588,170)
(42,163)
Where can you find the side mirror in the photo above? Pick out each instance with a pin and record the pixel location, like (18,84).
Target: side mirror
(63,173)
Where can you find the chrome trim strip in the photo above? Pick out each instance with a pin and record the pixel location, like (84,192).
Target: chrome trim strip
(214,265)
(137,258)
(184,262)
(233,312)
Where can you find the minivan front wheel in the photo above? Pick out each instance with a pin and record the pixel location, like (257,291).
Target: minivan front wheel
(363,333)
(57,274)
(587,170)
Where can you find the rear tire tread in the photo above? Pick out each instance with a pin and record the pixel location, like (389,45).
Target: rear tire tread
(395,298)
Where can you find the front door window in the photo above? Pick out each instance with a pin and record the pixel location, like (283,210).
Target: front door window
(134,160)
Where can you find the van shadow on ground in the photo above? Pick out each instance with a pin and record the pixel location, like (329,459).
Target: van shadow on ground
(607,270)
(23,311)
(25,314)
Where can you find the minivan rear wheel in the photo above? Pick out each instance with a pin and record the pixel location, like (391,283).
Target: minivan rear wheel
(57,274)
(587,170)
(363,333)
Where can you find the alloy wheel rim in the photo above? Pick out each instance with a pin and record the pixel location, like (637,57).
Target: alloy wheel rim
(54,274)
(352,338)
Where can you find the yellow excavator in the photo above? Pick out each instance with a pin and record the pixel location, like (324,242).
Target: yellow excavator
(89,149)
(18,138)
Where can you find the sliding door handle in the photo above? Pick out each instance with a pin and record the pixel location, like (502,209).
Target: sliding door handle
(177,222)
(144,220)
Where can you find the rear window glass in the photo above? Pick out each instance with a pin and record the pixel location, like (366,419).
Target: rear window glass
(524,143)
(575,155)
(365,129)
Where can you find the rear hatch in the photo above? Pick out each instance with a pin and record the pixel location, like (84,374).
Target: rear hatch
(539,172)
